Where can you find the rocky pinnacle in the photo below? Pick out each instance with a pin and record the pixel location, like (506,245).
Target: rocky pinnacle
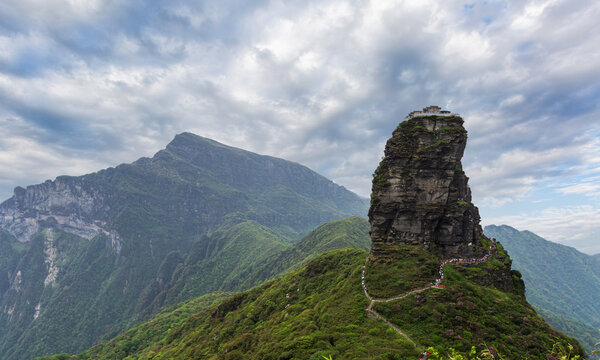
(420,193)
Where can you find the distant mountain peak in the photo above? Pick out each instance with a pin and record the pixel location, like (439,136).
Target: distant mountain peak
(189,146)
(502,228)
(188,138)
(108,243)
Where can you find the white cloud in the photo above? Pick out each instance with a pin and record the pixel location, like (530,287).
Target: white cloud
(514,173)
(319,82)
(530,19)
(587,185)
(512,100)
(576,226)
(39,161)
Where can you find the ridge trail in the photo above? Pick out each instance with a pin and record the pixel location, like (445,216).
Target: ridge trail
(436,284)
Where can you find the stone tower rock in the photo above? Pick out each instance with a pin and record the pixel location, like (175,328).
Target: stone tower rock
(420,193)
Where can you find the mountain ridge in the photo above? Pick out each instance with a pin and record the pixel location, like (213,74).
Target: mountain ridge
(562,283)
(127,232)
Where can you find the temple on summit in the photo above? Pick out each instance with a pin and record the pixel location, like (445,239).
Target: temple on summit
(430,110)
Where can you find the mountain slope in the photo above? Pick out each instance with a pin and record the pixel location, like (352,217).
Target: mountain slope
(586,335)
(350,232)
(344,233)
(318,311)
(477,307)
(559,279)
(89,256)
(324,316)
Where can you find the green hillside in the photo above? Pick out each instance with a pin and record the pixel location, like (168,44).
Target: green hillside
(587,335)
(85,258)
(243,263)
(10,253)
(350,232)
(319,310)
(563,283)
(248,254)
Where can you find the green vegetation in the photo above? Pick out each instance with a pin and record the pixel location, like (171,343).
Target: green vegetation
(559,352)
(314,312)
(419,128)
(380,180)
(243,255)
(562,283)
(433,145)
(452,128)
(412,268)
(154,329)
(244,262)
(318,312)
(10,253)
(465,313)
(351,232)
(198,217)
(585,334)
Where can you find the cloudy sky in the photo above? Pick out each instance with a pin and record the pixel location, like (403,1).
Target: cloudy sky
(88,84)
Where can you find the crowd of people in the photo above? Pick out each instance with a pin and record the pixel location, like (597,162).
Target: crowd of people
(438,281)
(363,281)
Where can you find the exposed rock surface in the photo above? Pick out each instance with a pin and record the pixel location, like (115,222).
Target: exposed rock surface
(64,204)
(420,192)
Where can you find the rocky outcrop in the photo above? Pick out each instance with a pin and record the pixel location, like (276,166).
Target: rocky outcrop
(420,193)
(64,204)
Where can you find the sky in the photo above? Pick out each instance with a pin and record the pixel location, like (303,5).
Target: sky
(89,84)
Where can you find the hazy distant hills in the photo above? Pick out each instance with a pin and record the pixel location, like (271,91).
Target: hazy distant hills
(83,258)
(563,283)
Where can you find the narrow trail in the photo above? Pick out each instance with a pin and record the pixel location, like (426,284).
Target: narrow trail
(435,285)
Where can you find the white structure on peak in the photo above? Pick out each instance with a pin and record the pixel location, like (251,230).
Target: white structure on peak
(430,110)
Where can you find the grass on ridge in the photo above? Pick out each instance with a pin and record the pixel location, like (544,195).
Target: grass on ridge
(412,268)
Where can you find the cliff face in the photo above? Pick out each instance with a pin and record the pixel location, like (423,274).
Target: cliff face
(420,193)
(67,204)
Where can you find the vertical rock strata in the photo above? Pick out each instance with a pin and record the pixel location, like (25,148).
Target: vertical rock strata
(420,193)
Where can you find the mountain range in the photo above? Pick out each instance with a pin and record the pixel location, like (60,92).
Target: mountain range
(84,258)
(431,281)
(208,251)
